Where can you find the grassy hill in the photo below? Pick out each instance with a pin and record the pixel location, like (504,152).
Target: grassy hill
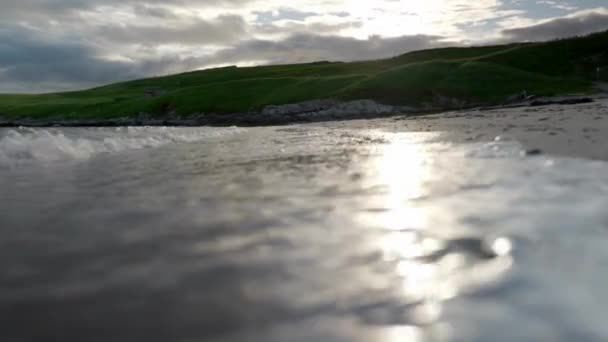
(474,75)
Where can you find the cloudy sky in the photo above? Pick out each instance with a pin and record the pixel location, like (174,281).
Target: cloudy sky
(49,45)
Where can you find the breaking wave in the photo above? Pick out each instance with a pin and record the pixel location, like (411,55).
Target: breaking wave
(50,145)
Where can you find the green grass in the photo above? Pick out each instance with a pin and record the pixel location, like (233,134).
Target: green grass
(474,75)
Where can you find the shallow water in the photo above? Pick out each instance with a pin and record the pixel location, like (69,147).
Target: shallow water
(296,234)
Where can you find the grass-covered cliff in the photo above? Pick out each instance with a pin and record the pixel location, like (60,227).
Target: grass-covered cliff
(473,75)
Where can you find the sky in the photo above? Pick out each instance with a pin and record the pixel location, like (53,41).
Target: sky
(56,45)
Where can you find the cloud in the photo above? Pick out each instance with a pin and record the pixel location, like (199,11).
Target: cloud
(577,24)
(69,44)
(58,6)
(283,14)
(27,59)
(561,5)
(308,48)
(187,31)
(291,28)
(147,10)
(28,63)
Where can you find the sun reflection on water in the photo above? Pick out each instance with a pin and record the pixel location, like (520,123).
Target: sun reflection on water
(403,168)
(433,268)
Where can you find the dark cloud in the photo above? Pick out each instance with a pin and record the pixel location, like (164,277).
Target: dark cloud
(70,44)
(159,12)
(581,24)
(222,30)
(28,63)
(59,6)
(26,59)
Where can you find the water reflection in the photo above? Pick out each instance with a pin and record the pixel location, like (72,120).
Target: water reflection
(402,168)
(185,255)
(433,267)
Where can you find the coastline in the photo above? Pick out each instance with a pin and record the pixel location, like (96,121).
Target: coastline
(273,115)
(563,126)
(277,115)
(576,131)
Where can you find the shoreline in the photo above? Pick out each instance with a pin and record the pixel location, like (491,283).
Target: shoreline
(298,113)
(576,131)
(222,120)
(571,127)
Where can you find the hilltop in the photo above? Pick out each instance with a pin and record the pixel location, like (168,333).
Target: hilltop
(468,76)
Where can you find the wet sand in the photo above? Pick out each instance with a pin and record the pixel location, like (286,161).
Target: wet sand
(579,131)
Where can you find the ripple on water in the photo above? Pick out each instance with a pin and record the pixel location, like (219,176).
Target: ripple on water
(222,240)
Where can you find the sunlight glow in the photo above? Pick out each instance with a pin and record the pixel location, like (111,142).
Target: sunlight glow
(502,246)
(403,168)
(403,334)
(395,18)
(431,267)
(430,17)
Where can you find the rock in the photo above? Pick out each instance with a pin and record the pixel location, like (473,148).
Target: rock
(327,109)
(446,102)
(298,108)
(533,152)
(143,116)
(316,110)
(602,86)
(519,97)
(570,101)
(513,98)
(406,109)
(363,107)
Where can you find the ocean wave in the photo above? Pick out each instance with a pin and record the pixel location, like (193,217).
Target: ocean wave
(50,145)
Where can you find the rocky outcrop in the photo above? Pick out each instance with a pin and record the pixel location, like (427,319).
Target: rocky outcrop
(309,111)
(446,102)
(299,108)
(602,86)
(571,101)
(544,101)
(519,97)
(333,109)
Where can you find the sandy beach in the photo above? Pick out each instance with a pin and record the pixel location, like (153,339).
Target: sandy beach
(563,130)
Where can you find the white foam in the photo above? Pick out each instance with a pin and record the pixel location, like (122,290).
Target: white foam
(497,149)
(51,145)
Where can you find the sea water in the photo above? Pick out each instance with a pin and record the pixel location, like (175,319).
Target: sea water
(300,233)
